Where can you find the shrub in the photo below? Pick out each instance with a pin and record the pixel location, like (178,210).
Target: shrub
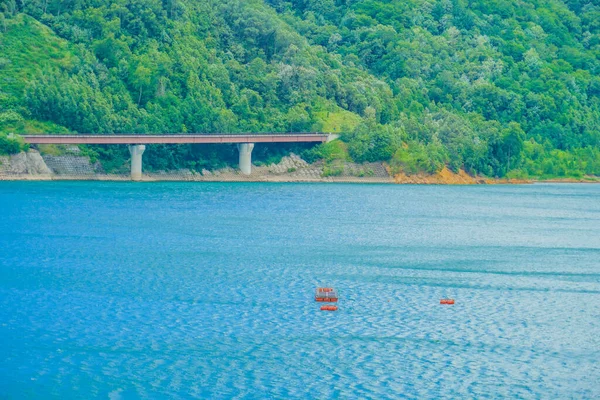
(332,170)
(416,157)
(11,145)
(335,150)
(373,142)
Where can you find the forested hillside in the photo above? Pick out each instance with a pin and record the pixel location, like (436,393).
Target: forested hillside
(494,87)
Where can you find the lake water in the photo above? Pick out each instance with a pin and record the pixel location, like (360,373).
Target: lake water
(125,290)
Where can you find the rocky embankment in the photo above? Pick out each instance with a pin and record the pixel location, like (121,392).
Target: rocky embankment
(292,168)
(34,166)
(28,165)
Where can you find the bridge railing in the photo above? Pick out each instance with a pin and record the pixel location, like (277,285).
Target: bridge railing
(183,134)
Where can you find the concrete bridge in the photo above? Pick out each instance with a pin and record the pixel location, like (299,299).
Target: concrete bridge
(137,143)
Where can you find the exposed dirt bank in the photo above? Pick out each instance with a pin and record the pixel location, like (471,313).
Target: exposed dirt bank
(447,177)
(443,177)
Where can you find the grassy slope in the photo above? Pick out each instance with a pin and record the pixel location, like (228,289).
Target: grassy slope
(338,121)
(26,49)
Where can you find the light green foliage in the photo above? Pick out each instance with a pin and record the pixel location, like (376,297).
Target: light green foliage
(11,145)
(27,47)
(335,169)
(416,157)
(497,88)
(337,121)
(544,162)
(25,126)
(329,152)
(333,155)
(370,141)
(10,117)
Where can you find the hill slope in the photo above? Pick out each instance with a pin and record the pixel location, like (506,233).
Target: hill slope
(493,87)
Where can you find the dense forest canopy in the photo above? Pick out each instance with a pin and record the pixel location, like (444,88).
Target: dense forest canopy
(495,87)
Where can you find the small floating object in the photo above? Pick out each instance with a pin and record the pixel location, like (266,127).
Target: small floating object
(447,301)
(328,308)
(326,294)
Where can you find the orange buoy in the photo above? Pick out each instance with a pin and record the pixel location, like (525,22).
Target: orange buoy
(327,299)
(447,301)
(328,308)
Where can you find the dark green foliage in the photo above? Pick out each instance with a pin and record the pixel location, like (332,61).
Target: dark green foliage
(370,142)
(497,88)
(416,157)
(114,159)
(270,153)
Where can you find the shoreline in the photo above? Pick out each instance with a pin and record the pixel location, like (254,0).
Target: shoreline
(33,166)
(280,179)
(198,178)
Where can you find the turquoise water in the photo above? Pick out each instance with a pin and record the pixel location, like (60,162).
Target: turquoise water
(121,290)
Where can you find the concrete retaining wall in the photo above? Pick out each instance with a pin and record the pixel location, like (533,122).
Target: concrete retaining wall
(72,165)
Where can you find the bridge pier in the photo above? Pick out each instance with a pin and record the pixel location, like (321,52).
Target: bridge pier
(245,164)
(136,152)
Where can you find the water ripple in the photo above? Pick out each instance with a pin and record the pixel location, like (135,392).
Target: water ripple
(205,291)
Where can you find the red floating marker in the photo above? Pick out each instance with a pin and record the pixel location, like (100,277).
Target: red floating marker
(326,294)
(324,289)
(447,301)
(328,308)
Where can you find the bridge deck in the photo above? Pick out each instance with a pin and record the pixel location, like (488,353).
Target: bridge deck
(174,139)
